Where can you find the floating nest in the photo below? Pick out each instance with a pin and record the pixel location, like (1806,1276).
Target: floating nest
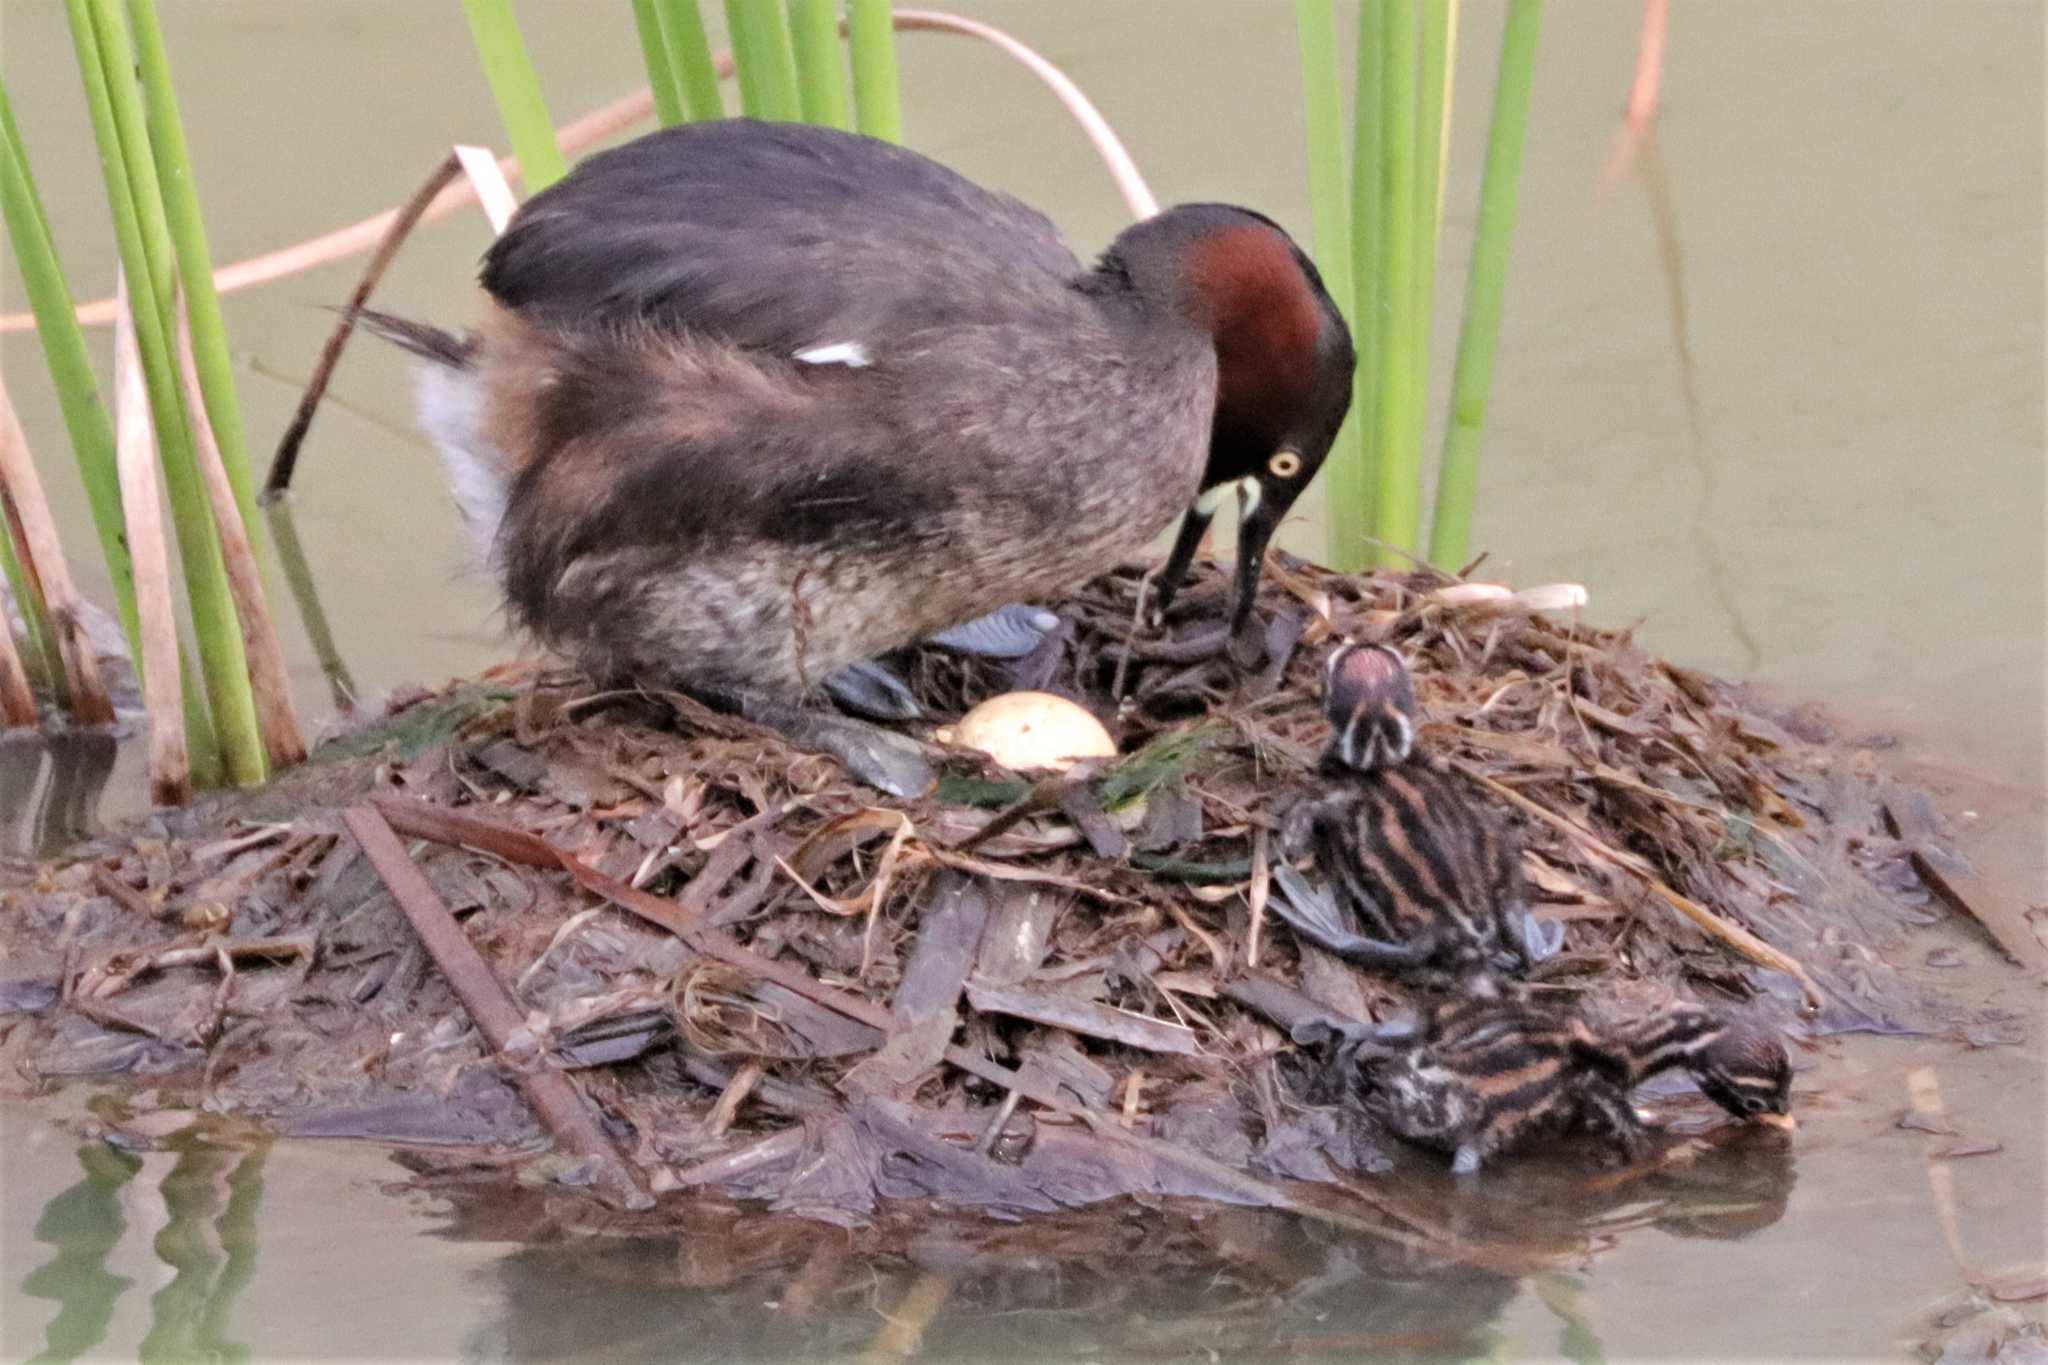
(700,958)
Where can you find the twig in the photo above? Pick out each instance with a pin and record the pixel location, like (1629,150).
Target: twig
(402,221)
(1123,661)
(1256,896)
(1726,930)
(776,1147)
(555,1099)
(109,884)
(734,1094)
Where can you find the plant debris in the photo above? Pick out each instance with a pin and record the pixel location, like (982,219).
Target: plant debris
(710,961)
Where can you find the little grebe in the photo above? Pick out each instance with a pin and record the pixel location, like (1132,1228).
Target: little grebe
(1433,878)
(756,403)
(1479,1077)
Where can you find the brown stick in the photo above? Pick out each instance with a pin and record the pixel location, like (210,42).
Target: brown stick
(170,767)
(555,1099)
(1726,930)
(400,227)
(43,564)
(269,681)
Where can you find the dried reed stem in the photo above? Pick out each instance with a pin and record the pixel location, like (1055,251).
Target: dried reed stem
(17,699)
(170,771)
(1122,169)
(43,561)
(493,191)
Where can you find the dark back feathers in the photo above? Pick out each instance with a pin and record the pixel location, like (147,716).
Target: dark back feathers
(775,236)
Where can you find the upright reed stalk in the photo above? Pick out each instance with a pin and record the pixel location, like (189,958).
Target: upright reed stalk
(17,699)
(1432,138)
(45,575)
(1472,381)
(85,417)
(143,239)
(820,70)
(766,66)
(269,680)
(669,109)
(165,702)
(43,659)
(1344,478)
(516,87)
(1397,502)
(223,407)
(1368,266)
(877,98)
(689,56)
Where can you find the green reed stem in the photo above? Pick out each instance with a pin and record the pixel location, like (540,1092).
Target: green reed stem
(516,87)
(86,420)
(1431,129)
(661,75)
(764,63)
(1472,380)
(1368,229)
(210,355)
(1397,500)
(143,238)
(64,350)
(689,58)
(1344,480)
(820,69)
(298,576)
(45,665)
(877,94)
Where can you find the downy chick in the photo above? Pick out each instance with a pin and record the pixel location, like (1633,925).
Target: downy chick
(1421,878)
(1476,1078)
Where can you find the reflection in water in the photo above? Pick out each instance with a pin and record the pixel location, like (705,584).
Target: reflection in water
(710,1279)
(50,785)
(714,1280)
(210,1194)
(83,1224)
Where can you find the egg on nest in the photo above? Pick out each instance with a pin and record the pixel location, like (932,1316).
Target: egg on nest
(1032,731)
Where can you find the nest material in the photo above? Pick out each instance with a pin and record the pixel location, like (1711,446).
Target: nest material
(1079,934)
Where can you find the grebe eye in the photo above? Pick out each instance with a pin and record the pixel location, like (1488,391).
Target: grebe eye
(1285,464)
(1751,1104)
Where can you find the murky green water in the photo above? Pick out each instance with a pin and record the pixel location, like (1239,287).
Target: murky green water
(1799,429)
(299,1250)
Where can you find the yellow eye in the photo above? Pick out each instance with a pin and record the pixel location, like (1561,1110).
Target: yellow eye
(1284,465)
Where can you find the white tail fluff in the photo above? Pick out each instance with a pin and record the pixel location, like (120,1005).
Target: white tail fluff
(451,411)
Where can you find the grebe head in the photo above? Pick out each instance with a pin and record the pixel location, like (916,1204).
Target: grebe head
(1370,700)
(1284,365)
